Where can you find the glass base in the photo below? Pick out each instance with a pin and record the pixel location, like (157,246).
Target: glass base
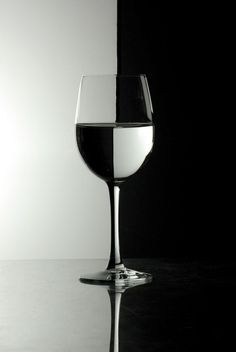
(117,277)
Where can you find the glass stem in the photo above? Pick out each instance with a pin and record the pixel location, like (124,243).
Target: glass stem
(115,261)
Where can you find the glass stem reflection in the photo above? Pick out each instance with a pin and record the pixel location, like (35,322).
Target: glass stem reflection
(115,258)
(115,299)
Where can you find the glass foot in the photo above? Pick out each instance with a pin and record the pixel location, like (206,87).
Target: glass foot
(117,277)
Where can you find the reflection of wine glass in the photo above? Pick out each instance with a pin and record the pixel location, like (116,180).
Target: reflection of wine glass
(115,295)
(115,135)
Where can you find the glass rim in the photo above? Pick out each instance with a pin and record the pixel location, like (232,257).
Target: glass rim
(118,75)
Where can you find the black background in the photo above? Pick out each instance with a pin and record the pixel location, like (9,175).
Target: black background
(181,205)
(174,206)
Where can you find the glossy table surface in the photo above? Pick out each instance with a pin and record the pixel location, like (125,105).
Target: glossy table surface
(45,308)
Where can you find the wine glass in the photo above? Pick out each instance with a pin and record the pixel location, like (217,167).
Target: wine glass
(115,135)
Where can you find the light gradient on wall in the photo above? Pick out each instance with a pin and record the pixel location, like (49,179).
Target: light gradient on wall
(51,206)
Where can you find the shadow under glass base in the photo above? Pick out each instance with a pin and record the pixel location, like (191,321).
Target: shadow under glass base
(117,277)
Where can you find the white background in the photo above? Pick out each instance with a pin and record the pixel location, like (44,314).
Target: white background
(51,205)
